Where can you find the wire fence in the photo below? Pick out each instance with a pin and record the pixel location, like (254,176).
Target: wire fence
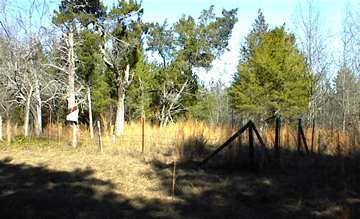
(170,137)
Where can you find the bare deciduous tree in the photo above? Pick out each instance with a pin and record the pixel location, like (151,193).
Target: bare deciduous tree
(170,97)
(313,40)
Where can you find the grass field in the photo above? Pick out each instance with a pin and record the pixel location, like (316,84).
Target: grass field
(49,179)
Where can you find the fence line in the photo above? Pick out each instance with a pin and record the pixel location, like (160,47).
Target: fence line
(322,140)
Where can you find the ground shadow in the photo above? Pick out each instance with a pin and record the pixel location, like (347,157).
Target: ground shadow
(38,192)
(314,186)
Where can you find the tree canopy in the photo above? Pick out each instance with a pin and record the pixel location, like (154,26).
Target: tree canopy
(187,44)
(272,77)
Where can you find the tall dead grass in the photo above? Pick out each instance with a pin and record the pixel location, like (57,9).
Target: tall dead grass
(182,136)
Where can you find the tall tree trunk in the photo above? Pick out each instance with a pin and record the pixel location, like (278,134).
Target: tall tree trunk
(27,114)
(90,115)
(26,119)
(38,120)
(120,112)
(344,103)
(38,113)
(74,135)
(71,71)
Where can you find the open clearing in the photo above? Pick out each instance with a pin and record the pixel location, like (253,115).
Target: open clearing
(60,182)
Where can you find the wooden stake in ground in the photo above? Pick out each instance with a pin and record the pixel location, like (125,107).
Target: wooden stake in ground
(8,131)
(142,134)
(338,147)
(312,136)
(299,136)
(232,138)
(173,179)
(251,146)
(319,143)
(277,138)
(262,143)
(100,140)
(304,141)
(48,132)
(59,132)
(1,130)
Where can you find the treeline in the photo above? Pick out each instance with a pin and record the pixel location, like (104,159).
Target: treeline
(110,65)
(92,59)
(293,75)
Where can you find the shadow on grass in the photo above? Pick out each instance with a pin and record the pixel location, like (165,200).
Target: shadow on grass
(37,192)
(315,186)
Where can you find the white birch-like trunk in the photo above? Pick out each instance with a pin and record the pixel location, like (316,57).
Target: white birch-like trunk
(120,114)
(27,115)
(120,110)
(38,121)
(38,108)
(74,135)
(90,115)
(71,72)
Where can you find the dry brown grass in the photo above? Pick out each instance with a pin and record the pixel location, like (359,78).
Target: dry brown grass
(121,155)
(108,167)
(156,138)
(129,184)
(179,134)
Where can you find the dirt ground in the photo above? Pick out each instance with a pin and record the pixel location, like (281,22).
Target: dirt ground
(60,182)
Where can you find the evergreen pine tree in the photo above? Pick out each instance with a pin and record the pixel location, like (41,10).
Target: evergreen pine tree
(272,75)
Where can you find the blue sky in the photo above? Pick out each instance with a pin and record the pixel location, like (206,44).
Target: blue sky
(276,13)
